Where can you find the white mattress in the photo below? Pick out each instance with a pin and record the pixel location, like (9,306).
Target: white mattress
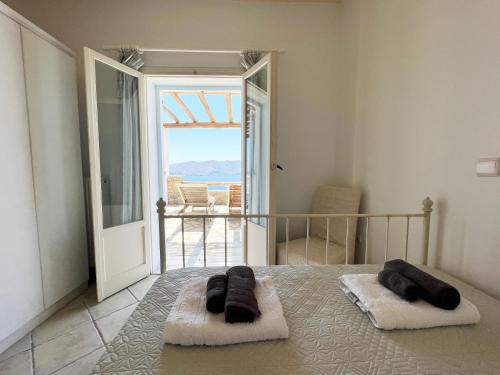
(328,334)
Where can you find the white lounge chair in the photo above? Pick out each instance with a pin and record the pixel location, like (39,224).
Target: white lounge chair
(327,200)
(196,195)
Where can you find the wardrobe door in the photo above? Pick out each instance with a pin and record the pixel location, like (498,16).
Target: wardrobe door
(57,169)
(20,280)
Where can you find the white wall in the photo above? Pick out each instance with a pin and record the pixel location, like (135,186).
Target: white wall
(349,29)
(308,70)
(428,106)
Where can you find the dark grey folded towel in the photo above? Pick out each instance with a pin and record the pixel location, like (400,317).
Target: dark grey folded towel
(402,286)
(432,290)
(216,293)
(241,305)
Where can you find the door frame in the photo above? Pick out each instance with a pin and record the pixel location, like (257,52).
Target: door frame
(153,126)
(268,60)
(90,57)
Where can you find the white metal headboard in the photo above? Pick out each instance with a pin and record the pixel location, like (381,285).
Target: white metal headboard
(427,204)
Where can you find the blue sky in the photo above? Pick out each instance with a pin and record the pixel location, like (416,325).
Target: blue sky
(203,144)
(197,144)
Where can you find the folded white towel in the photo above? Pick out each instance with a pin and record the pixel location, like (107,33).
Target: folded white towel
(189,322)
(388,311)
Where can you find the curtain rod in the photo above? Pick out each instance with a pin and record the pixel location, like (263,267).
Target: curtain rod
(180,50)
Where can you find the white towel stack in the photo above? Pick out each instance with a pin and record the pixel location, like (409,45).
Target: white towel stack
(388,311)
(189,322)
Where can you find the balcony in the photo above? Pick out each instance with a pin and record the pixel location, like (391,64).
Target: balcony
(215,229)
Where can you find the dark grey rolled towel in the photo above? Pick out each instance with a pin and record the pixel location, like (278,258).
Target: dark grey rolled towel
(432,290)
(241,305)
(397,283)
(241,271)
(216,293)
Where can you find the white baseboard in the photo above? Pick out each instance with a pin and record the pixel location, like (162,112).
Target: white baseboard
(40,318)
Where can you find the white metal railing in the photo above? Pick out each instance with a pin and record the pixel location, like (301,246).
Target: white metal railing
(425,215)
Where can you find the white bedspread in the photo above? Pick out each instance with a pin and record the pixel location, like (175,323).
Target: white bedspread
(189,322)
(388,311)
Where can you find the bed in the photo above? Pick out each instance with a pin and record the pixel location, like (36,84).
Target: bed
(328,334)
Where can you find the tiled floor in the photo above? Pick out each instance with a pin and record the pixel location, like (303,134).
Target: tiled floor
(215,233)
(73,340)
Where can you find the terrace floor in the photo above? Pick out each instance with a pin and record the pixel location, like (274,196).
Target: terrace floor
(193,239)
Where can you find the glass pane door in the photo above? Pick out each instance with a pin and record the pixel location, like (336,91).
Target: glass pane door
(257,143)
(119,145)
(118,171)
(259,157)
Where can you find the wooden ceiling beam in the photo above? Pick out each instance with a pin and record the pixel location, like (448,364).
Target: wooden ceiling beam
(172,115)
(205,125)
(183,106)
(203,100)
(229,107)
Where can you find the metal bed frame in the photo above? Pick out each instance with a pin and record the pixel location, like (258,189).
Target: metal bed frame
(427,204)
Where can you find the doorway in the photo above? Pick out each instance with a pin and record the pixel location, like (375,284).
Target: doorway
(197,124)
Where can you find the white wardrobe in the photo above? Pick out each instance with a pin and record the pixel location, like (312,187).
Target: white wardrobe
(43,250)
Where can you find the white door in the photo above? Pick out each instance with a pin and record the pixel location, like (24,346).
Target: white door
(259,160)
(119,172)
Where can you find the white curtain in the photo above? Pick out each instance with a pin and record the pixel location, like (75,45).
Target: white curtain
(132,57)
(250,57)
(131,162)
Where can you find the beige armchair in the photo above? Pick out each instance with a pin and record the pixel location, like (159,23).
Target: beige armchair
(328,199)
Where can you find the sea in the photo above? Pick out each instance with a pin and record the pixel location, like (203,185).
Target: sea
(222,177)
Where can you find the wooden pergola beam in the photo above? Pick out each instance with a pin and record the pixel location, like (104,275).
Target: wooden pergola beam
(232,93)
(205,104)
(206,91)
(229,107)
(183,106)
(202,95)
(172,115)
(205,125)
